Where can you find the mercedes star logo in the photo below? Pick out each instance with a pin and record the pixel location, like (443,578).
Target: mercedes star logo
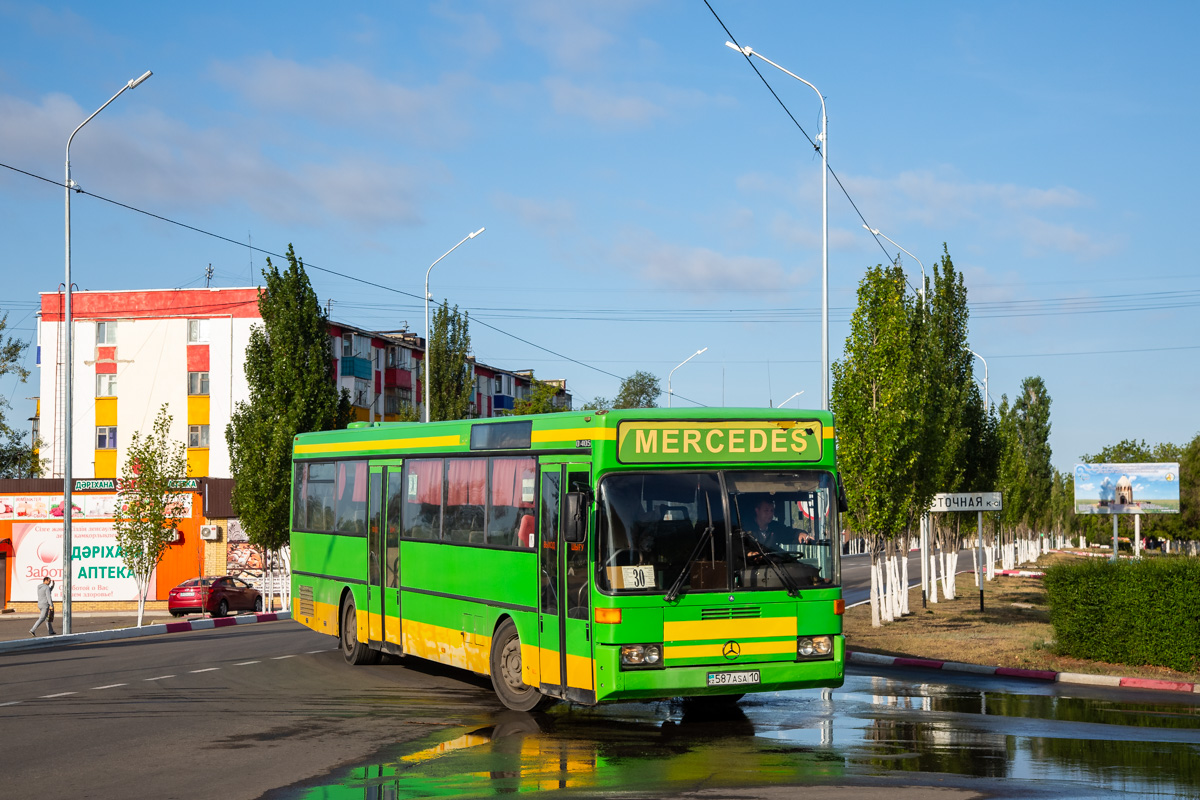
(731,650)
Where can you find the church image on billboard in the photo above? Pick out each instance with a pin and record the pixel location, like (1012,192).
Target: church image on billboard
(1127,488)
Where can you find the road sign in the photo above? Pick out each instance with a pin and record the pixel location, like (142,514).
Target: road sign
(966,501)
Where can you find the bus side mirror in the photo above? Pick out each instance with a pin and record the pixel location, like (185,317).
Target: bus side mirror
(843,504)
(575,518)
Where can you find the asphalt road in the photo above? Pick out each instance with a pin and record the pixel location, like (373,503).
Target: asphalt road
(272,709)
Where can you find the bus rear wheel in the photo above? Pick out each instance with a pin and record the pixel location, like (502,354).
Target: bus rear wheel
(356,652)
(505,662)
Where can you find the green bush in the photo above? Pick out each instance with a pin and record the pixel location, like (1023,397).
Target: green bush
(1128,612)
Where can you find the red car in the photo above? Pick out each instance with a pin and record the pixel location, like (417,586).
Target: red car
(216,596)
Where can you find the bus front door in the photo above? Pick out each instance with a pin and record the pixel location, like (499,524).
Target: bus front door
(564,613)
(383,557)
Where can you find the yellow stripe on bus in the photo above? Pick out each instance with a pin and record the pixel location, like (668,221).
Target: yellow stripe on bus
(574,435)
(381,445)
(717,651)
(726,629)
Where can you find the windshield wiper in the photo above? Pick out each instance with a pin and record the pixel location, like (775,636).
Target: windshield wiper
(677,586)
(792,589)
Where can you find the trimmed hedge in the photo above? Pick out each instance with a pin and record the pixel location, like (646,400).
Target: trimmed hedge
(1128,612)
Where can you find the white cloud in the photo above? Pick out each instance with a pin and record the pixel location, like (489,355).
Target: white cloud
(600,105)
(572,35)
(347,96)
(149,160)
(551,218)
(698,269)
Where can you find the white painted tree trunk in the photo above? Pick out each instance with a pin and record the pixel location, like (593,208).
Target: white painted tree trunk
(933,586)
(886,606)
(947,575)
(875,615)
(904,583)
(951,574)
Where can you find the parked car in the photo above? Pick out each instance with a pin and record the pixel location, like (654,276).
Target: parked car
(216,596)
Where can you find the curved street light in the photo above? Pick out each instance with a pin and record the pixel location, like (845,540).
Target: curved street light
(68,185)
(823,138)
(785,402)
(427,298)
(672,372)
(910,255)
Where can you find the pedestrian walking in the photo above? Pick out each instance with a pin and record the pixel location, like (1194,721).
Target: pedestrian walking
(45,607)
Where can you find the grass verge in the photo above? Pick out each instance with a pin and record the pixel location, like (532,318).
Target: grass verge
(1013,630)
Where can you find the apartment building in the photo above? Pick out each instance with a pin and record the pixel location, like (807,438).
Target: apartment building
(135,350)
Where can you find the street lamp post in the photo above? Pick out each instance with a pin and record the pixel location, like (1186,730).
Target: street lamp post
(785,402)
(427,298)
(823,138)
(910,255)
(979,534)
(672,372)
(68,355)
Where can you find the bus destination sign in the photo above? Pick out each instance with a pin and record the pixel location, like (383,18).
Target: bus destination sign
(689,442)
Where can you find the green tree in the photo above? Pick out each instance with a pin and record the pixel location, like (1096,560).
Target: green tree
(597,403)
(540,400)
(148,512)
(291,391)
(949,385)
(451,387)
(17,459)
(876,397)
(639,390)
(1032,410)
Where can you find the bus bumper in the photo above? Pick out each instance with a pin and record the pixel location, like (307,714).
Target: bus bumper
(614,684)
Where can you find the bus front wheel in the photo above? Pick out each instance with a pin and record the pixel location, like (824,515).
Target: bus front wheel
(505,662)
(356,652)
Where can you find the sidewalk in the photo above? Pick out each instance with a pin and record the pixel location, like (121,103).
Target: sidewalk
(16,626)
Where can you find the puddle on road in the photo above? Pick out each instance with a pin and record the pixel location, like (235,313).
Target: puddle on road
(872,728)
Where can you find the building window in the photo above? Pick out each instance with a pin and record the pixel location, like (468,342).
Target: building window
(106,332)
(197,436)
(347,345)
(197,383)
(197,331)
(106,385)
(106,438)
(362,393)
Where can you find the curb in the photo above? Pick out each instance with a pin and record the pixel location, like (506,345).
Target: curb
(876,659)
(40,642)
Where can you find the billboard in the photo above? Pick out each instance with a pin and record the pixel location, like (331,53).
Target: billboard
(99,572)
(1127,488)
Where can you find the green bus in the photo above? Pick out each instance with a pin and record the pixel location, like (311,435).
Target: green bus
(584,556)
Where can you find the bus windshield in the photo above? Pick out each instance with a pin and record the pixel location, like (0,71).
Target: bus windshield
(678,532)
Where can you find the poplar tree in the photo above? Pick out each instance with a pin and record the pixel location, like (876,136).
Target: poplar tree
(451,383)
(289,371)
(876,397)
(148,509)
(639,390)
(16,455)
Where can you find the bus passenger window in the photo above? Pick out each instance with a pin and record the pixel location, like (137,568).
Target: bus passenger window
(352,496)
(319,497)
(395,494)
(466,482)
(511,500)
(422,499)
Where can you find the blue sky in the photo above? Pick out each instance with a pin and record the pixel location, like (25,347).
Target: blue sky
(644,195)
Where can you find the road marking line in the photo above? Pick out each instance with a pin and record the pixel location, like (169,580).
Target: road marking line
(10,703)
(310,652)
(280,658)
(206,669)
(246,663)
(159,678)
(110,686)
(60,694)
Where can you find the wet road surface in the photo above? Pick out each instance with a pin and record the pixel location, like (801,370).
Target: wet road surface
(894,736)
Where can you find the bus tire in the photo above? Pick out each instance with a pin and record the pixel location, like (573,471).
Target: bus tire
(505,663)
(356,652)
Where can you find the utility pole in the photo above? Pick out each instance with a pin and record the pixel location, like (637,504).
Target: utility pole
(208,273)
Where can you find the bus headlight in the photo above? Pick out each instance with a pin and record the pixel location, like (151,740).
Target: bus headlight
(814,646)
(641,655)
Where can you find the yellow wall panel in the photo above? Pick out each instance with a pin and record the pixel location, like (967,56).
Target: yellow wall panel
(106,411)
(197,458)
(106,463)
(197,409)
